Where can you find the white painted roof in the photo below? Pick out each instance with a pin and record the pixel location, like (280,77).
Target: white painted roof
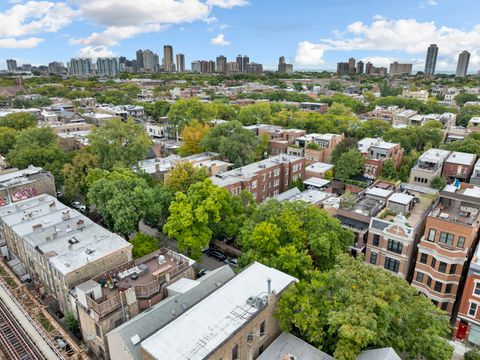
(401,198)
(319,167)
(461,158)
(434,155)
(316,182)
(205,326)
(375,191)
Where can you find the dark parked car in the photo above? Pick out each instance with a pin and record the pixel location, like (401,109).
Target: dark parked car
(215,254)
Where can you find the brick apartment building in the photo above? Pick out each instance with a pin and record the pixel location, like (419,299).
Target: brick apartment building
(265,178)
(395,232)
(376,152)
(450,237)
(315,147)
(459,166)
(467,324)
(112,298)
(234,322)
(280,139)
(17,185)
(59,247)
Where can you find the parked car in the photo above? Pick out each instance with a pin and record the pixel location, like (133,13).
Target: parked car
(233,262)
(59,194)
(78,205)
(215,254)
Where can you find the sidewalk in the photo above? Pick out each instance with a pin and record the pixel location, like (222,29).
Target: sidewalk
(459,349)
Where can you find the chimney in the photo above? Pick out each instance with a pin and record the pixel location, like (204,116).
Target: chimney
(157,168)
(269,286)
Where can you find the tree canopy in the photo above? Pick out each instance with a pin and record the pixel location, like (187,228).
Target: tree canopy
(349,164)
(143,244)
(192,134)
(294,237)
(119,144)
(233,142)
(355,306)
(183,175)
(18,121)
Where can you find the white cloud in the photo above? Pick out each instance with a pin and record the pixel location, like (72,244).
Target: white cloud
(220,40)
(309,53)
(227,4)
(113,35)
(30,18)
(425,3)
(12,43)
(379,60)
(95,52)
(406,35)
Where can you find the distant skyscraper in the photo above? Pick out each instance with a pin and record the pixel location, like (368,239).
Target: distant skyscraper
(56,68)
(283,67)
(254,68)
(462,65)
(360,67)
(232,67)
(80,66)
(242,62)
(368,68)
(431,60)
(195,66)
(139,62)
(351,65)
(146,60)
(168,64)
(221,64)
(107,66)
(11,65)
(400,69)
(180,62)
(343,68)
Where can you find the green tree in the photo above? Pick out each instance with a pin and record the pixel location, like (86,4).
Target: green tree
(39,147)
(18,121)
(233,142)
(374,128)
(119,143)
(276,233)
(355,307)
(7,139)
(185,110)
(71,322)
(343,147)
(471,355)
(122,198)
(469,145)
(349,164)
(258,113)
(261,151)
(462,98)
(335,85)
(194,214)
(466,113)
(438,182)
(143,244)
(183,175)
(156,109)
(192,134)
(75,173)
(389,171)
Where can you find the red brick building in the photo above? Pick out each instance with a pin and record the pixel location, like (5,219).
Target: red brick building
(459,166)
(376,152)
(316,147)
(450,237)
(265,178)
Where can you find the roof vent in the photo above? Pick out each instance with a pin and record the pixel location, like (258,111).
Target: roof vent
(135,339)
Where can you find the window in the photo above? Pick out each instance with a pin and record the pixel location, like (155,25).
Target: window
(262,328)
(276,182)
(431,235)
(453,268)
(438,286)
(461,241)
(391,264)
(260,350)
(254,184)
(429,281)
(373,258)
(472,311)
(276,172)
(423,258)
(97,330)
(444,306)
(235,352)
(376,240)
(448,289)
(476,291)
(419,277)
(442,267)
(446,238)
(394,246)
(434,262)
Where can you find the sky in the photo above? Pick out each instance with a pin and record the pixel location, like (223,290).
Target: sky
(311,34)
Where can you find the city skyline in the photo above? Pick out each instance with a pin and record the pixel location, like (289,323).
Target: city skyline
(307,34)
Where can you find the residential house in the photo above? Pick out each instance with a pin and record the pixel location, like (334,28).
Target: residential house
(376,152)
(459,166)
(428,166)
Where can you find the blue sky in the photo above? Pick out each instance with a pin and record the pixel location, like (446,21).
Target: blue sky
(309,33)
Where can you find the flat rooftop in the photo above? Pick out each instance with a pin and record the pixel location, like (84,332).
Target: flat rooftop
(434,155)
(365,144)
(461,158)
(203,328)
(319,167)
(248,171)
(67,238)
(18,177)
